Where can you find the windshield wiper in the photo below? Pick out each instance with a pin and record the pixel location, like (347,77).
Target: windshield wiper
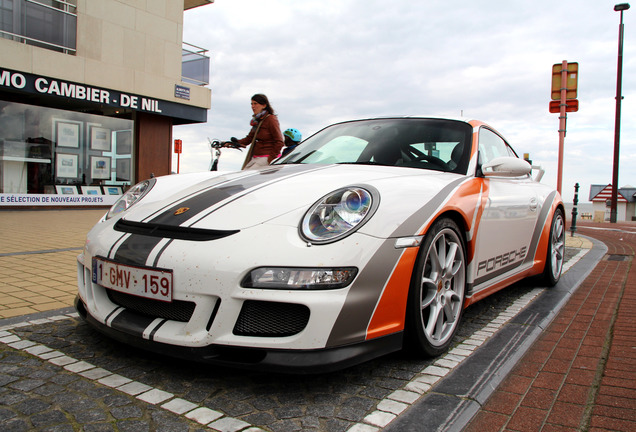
(362,163)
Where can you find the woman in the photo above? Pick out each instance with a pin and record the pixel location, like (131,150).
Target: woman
(265,139)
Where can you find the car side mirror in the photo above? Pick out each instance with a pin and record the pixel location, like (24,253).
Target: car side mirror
(506,167)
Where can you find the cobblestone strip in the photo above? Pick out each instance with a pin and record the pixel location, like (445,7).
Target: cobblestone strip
(574,259)
(213,419)
(398,401)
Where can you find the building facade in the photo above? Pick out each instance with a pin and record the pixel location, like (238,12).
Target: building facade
(89,93)
(601,196)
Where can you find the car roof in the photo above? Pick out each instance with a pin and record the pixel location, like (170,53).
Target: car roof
(472,122)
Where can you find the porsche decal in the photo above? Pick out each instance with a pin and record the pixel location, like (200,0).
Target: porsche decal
(502,261)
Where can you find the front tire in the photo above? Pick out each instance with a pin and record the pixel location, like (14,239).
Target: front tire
(436,296)
(556,250)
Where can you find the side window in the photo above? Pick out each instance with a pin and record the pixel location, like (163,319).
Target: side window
(492,146)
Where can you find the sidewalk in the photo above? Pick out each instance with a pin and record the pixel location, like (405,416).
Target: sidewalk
(38,265)
(580,375)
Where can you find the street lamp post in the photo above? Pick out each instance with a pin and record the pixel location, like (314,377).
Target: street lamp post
(617,125)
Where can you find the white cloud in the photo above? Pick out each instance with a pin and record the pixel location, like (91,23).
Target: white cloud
(331,60)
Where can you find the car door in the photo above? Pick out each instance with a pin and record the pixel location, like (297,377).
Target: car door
(508,218)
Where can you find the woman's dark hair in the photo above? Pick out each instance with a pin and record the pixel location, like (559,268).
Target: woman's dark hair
(262,99)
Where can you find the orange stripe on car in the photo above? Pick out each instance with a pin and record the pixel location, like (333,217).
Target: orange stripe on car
(390,311)
(389,314)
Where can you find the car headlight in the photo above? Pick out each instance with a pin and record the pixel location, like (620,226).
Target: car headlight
(133,195)
(299,278)
(339,214)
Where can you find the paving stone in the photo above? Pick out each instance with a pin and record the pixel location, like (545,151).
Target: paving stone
(32,406)
(6,379)
(99,427)
(134,388)
(227,424)
(179,406)
(91,416)
(16,425)
(126,412)
(49,418)
(133,426)
(155,396)
(26,384)
(6,414)
(203,415)
(9,397)
(380,418)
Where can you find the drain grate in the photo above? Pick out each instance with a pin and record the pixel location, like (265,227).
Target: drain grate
(615,257)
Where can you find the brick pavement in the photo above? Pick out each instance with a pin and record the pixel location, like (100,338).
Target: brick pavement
(580,375)
(38,250)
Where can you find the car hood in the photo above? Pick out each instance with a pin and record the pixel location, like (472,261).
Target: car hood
(282,194)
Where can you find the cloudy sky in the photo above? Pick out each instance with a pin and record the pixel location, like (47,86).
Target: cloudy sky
(325,61)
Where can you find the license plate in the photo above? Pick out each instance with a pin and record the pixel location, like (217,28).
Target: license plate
(139,281)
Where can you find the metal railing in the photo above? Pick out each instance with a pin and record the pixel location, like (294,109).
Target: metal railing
(195,65)
(50,24)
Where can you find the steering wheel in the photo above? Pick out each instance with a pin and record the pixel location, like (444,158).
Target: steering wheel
(432,160)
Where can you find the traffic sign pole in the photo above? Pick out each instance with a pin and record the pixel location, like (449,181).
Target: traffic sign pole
(178,148)
(562,121)
(563,95)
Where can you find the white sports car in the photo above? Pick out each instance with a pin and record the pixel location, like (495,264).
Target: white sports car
(371,236)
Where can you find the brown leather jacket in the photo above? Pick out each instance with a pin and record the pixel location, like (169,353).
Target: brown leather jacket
(269,140)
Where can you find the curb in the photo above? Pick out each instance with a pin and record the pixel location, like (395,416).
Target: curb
(452,404)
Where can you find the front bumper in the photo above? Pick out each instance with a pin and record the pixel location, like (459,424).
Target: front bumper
(271,360)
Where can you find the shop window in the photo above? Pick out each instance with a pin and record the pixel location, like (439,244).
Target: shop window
(48,151)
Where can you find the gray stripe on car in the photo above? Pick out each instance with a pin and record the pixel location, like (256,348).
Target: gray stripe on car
(541,221)
(353,320)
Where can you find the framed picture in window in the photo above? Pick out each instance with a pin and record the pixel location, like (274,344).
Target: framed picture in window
(67,134)
(100,167)
(91,190)
(66,165)
(123,169)
(66,189)
(100,139)
(112,190)
(124,142)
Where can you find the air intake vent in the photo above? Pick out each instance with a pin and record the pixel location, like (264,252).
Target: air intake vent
(177,310)
(269,319)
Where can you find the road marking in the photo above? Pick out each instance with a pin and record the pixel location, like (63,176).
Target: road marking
(7,254)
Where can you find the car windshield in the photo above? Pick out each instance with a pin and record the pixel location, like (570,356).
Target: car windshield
(436,144)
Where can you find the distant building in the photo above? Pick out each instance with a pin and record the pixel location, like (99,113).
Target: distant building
(601,197)
(89,93)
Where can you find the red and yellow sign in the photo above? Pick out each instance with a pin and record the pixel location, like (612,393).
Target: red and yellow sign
(571,81)
(571,105)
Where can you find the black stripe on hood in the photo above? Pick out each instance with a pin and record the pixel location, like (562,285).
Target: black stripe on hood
(136,248)
(202,201)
